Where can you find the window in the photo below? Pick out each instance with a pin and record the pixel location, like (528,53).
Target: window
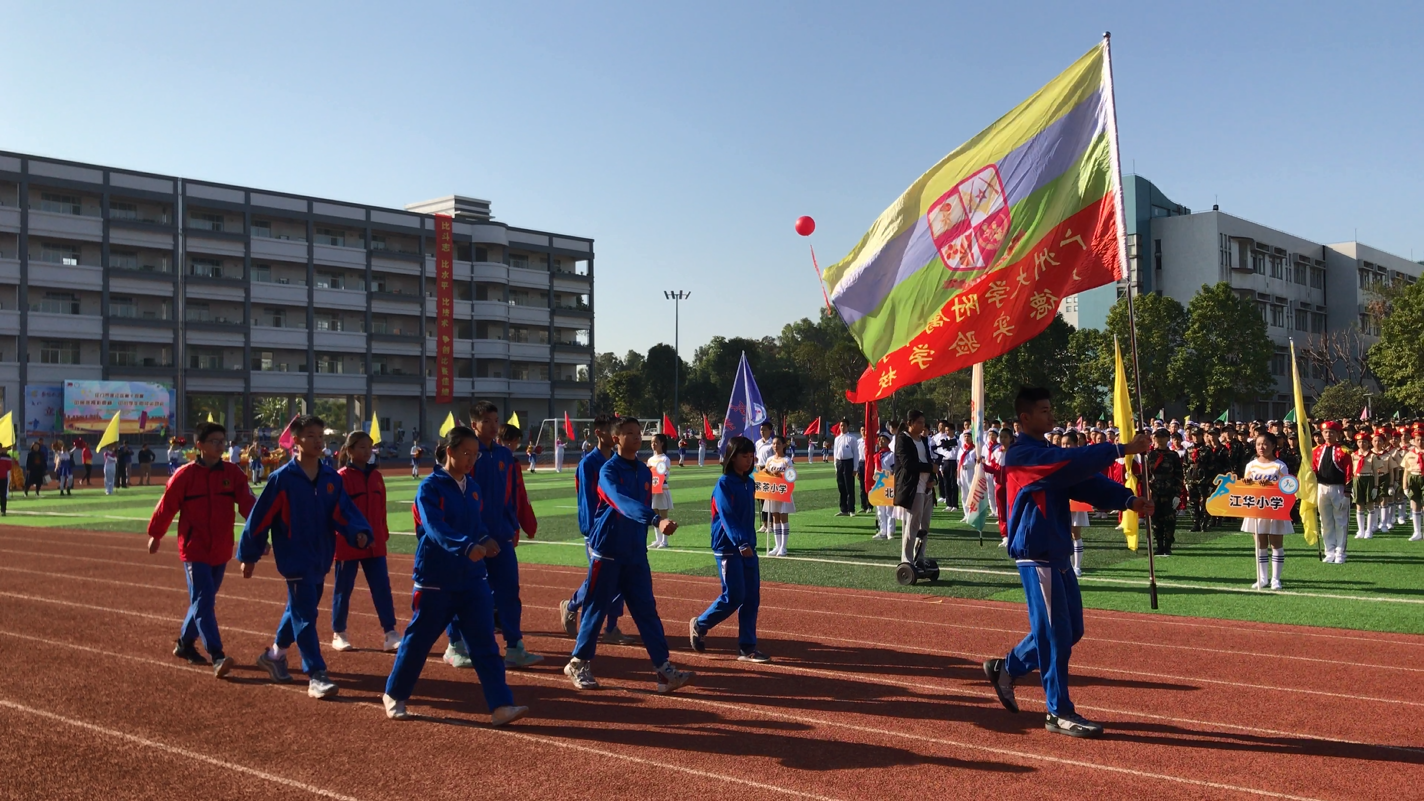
(1278,315)
(59,351)
(262,273)
(378,242)
(1317,278)
(57,303)
(60,204)
(123,259)
(59,253)
(199,313)
(463,330)
(1224,252)
(263,361)
(489,330)
(328,322)
(205,359)
(489,368)
(273,318)
(122,307)
(380,325)
(1279,364)
(1300,272)
(123,354)
(493,292)
(1317,322)
(1278,266)
(205,222)
(1265,313)
(119,210)
(262,228)
(519,260)
(330,281)
(528,297)
(328,363)
(1258,263)
(530,334)
(529,371)
(1156,253)
(481,254)
(331,236)
(1302,320)
(207,268)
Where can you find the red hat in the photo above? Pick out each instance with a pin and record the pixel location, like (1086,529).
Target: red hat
(1331,425)
(1362,435)
(1418,429)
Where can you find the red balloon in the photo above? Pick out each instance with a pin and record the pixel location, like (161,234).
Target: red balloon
(805,226)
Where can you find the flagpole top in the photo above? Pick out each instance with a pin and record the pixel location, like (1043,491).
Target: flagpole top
(1107,35)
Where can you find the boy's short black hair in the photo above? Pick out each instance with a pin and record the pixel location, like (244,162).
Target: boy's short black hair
(623,421)
(913,415)
(206,429)
(509,431)
(482,408)
(602,422)
(304,421)
(1029,397)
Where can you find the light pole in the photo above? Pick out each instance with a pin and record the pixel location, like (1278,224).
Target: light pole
(677,296)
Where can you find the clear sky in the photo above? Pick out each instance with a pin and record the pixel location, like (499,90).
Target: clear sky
(686,138)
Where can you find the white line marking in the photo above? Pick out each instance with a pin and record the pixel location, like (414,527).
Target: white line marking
(175,750)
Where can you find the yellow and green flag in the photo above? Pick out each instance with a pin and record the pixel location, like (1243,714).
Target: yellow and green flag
(1309,516)
(976,256)
(1122,418)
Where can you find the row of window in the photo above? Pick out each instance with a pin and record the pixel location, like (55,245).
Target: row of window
(1282,316)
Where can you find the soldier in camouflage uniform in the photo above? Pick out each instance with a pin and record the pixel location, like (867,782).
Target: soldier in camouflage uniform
(1208,459)
(1164,468)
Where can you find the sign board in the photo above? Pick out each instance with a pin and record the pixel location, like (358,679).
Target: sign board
(772,488)
(659,483)
(1234,497)
(883,492)
(142,407)
(44,410)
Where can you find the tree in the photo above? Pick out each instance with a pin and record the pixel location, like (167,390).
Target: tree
(270,411)
(625,392)
(1225,356)
(1161,330)
(1088,375)
(1344,401)
(1398,358)
(660,368)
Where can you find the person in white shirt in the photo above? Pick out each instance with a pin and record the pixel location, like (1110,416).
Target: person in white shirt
(991,444)
(764,451)
(779,511)
(660,465)
(415,453)
(558,454)
(968,460)
(701,451)
(1269,534)
(234,453)
(845,449)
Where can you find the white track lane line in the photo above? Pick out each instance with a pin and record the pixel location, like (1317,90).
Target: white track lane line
(134,739)
(471,725)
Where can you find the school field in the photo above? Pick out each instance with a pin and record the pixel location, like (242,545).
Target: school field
(1380,588)
(875,691)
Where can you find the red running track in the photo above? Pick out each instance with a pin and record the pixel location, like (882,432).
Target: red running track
(872,695)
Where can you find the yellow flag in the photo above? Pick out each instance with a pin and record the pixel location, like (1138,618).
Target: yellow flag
(1309,517)
(448,424)
(111,433)
(210,418)
(514,420)
(1122,417)
(375,431)
(7,434)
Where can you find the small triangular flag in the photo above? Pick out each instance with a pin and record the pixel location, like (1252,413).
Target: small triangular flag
(375,430)
(1225,416)
(514,420)
(7,433)
(448,424)
(1290,416)
(210,418)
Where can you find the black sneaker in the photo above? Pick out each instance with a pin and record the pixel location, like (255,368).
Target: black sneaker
(694,636)
(188,651)
(1073,726)
(1003,684)
(753,656)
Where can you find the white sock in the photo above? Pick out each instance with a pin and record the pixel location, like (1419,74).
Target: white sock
(1278,563)
(276,653)
(1263,559)
(1361,522)
(1418,524)
(1077,554)
(785,535)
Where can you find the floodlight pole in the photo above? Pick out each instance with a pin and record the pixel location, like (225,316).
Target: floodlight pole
(677,296)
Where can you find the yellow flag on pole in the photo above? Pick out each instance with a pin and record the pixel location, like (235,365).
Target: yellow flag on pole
(210,418)
(111,433)
(7,434)
(1122,417)
(448,424)
(375,430)
(514,420)
(1309,517)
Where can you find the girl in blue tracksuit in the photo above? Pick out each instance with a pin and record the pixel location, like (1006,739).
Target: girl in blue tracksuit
(618,544)
(451,581)
(734,541)
(305,507)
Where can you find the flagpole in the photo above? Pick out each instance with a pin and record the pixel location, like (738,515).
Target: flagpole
(1127,272)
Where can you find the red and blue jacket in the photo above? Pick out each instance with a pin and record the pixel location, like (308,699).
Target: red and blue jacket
(1040,480)
(734,520)
(449,523)
(620,526)
(304,517)
(493,472)
(586,485)
(368,491)
(203,497)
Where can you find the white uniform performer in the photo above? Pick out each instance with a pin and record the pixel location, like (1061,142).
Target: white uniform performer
(701,451)
(558,455)
(661,464)
(1273,470)
(111,470)
(885,515)
(988,448)
(764,450)
(779,465)
(968,460)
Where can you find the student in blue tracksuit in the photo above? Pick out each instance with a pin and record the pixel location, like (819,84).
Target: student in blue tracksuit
(619,543)
(1039,481)
(305,507)
(586,487)
(734,541)
(451,582)
(493,473)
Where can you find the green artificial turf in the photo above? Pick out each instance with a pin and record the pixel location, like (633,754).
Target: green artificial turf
(1380,588)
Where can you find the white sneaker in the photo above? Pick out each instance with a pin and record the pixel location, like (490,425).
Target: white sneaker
(1329,558)
(1275,584)
(1078,571)
(392,642)
(1365,535)
(340,643)
(1340,557)
(507,714)
(1416,538)
(1260,585)
(1003,542)
(670,678)
(395,710)
(319,686)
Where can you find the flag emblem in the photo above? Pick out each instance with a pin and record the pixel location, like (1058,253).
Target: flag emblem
(968,222)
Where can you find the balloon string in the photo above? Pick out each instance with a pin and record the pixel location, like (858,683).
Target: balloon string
(819,280)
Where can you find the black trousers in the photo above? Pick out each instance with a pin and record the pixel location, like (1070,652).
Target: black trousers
(864,498)
(949,482)
(845,483)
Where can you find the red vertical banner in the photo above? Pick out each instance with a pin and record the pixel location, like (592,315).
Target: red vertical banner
(444,309)
(868,435)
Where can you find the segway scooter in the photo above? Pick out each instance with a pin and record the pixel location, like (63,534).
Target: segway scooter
(922,569)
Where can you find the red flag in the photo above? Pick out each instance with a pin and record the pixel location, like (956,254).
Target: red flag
(668,427)
(568,427)
(707,429)
(783,427)
(872,427)
(835,429)
(814,428)
(287,440)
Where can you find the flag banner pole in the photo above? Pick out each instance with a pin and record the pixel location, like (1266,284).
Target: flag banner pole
(1131,316)
(820,281)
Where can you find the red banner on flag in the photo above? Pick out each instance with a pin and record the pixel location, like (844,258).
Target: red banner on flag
(444,309)
(872,427)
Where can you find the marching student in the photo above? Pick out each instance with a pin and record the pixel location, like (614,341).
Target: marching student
(452,545)
(1266,468)
(363,482)
(558,452)
(681,451)
(734,541)
(36,465)
(304,507)
(63,468)
(1334,472)
(1412,476)
(779,512)
(884,459)
(111,469)
(586,486)
(618,543)
(660,464)
(1044,479)
(1165,467)
(202,494)
(1370,465)
(175,456)
(510,437)
(701,451)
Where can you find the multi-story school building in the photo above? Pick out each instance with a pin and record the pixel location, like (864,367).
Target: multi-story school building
(248,300)
(1318,294)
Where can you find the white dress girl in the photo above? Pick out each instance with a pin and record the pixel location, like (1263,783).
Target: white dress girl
(660,464)
(779,465)
(1272,470)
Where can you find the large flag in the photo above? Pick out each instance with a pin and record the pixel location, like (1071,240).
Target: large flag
(111,434)
(813,428)
(1122,418)
(745,412)
(976,256)
(976,506)
(1309,516)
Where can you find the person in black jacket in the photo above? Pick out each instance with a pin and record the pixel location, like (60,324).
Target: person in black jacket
(36,465)
(914,486)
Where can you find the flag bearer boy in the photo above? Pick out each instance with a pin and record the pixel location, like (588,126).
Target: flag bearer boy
(305,507)
(202,494)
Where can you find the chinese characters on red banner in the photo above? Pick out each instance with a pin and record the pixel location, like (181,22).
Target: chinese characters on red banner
(444,310)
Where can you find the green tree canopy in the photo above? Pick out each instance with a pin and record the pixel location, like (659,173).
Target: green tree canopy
(1161,333)
(1398,358)
(1225,356)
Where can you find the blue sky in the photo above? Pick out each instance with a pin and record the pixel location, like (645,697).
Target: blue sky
(686,139)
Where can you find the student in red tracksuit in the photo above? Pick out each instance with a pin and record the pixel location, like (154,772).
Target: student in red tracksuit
(510,436)
(367,489)
(202,494)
